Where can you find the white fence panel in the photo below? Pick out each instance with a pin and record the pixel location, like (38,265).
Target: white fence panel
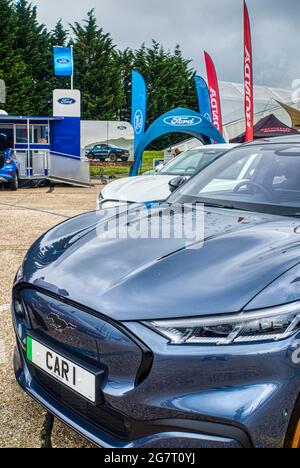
(72,169)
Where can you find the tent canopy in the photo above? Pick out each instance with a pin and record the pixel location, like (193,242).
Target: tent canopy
(268,127)
(293,113)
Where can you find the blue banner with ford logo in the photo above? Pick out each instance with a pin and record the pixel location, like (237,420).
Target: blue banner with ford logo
(139,107)
(63,61)
(178,120)
(203,97)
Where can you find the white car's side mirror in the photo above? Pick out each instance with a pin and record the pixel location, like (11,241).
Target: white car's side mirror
(159,167)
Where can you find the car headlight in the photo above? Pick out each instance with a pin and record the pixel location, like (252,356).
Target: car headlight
(273,324)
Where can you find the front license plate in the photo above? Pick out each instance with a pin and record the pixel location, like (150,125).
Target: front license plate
(62,369)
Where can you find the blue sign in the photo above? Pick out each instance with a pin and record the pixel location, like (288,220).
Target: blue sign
(139,107)
(63,61)
(177,121)
(67,101)
(203,98)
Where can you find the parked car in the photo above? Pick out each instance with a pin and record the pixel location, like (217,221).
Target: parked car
(107,152)
(148,188)
(155,342)
(9,166)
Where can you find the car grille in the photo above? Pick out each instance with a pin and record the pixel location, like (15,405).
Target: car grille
(103,417)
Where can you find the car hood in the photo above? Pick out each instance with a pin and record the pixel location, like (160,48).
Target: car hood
(142,279)
(139,189)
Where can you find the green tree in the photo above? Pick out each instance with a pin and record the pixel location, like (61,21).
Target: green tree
(97,70)
(12,66)
(59,36)
(102,73)
(33,44)
(126,63)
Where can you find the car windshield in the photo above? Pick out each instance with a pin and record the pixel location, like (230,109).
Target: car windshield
(190,162)
(262,178)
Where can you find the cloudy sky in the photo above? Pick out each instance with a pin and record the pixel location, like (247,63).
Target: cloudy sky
(197,25)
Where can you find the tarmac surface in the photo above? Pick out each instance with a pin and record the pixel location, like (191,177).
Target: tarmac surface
(24,216)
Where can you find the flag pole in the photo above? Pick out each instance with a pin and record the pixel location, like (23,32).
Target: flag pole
(72,76)
(248,77)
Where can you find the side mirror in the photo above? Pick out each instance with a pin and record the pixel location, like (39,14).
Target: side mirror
(159,167)
(174,184)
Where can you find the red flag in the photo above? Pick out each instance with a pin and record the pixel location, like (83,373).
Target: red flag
(214,93)
(248,77)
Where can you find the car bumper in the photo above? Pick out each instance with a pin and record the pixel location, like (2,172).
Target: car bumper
(190,397)
(191,434)
(7,175)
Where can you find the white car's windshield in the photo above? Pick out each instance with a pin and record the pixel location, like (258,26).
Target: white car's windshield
(256,178)
(190,162)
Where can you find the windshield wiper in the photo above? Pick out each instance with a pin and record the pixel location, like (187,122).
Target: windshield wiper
(221,205)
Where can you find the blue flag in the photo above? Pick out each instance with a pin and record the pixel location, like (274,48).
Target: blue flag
(203,98)
(139,107)
(63,61)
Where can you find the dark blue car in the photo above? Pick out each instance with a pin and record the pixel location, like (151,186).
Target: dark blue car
(171,339)
(9,166)
(104,152)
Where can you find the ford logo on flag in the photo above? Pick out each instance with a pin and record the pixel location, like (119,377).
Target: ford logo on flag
(182,121)
(207,116)
(138,122)
(63,61)
(67,101)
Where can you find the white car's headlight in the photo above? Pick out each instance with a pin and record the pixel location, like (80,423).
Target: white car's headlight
(273,324)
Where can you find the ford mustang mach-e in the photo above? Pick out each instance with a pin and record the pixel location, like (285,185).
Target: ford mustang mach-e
(173,341)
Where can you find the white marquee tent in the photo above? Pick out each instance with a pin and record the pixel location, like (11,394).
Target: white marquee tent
(265,103)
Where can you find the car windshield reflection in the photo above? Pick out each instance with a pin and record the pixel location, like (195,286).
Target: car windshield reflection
(257,177)
(190,162)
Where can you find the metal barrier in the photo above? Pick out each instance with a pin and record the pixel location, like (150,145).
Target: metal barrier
(44,164)
(69,169)
(33,163)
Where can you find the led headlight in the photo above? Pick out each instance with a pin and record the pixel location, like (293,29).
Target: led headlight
(273,324)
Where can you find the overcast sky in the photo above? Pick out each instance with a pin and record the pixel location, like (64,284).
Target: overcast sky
(197,25)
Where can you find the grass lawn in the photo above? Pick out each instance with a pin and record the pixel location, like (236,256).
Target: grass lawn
(121,171)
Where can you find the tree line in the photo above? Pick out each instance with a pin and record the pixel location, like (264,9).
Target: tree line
(102,71)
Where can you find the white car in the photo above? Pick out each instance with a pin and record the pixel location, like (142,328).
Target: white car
(152,188)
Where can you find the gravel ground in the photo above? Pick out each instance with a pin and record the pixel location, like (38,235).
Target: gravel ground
(25,215)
